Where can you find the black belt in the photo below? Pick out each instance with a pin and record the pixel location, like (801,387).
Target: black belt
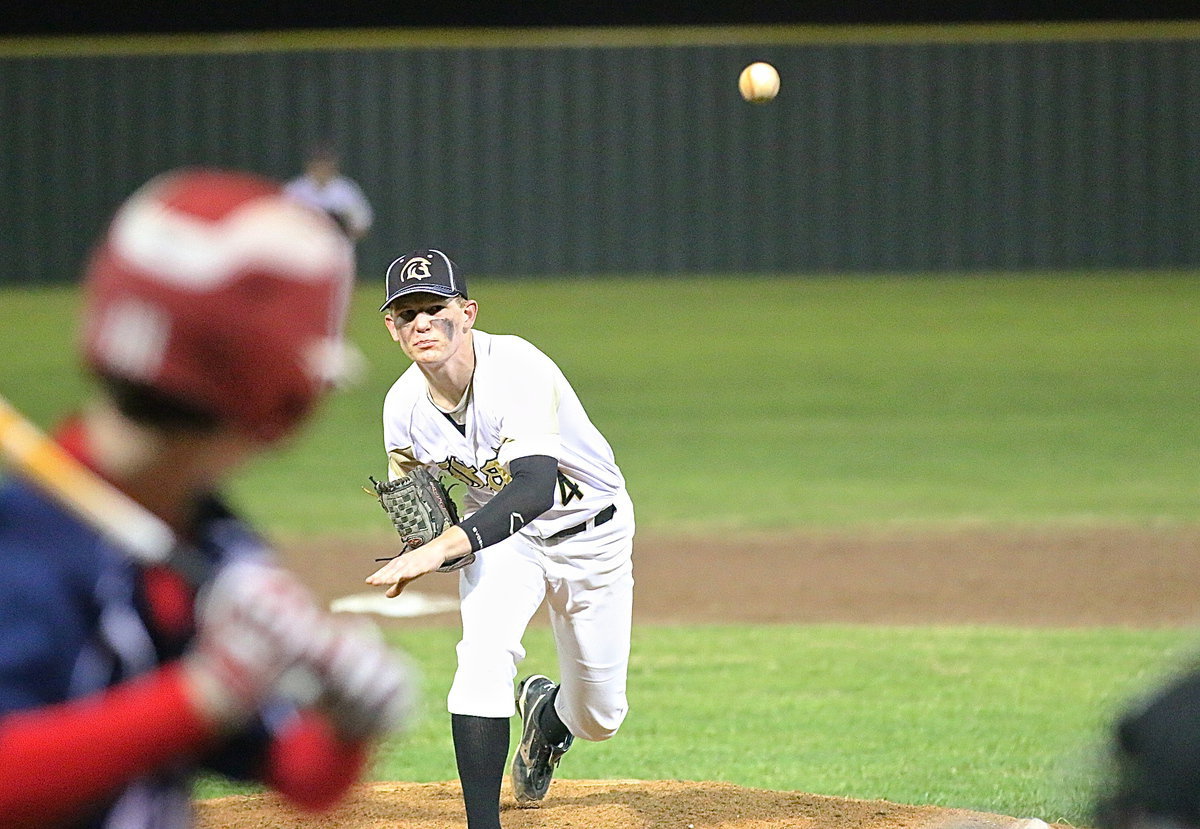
(602,517)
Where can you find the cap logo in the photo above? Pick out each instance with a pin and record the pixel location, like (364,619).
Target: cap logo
(416,268)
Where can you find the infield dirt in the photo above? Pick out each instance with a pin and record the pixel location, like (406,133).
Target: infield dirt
(1062,577)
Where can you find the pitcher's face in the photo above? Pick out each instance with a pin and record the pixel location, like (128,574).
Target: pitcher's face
(430,328)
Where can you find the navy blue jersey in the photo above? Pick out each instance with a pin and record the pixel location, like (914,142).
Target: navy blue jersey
(77,617)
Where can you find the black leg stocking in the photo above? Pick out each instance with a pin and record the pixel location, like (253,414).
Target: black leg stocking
(480,749)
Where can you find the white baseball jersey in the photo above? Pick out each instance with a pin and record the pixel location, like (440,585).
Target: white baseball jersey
(340,195)
(518,404)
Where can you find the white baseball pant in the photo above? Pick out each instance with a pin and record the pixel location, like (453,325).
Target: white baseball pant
(587,581)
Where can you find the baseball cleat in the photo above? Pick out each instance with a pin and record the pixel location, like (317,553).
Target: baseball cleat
(535,760)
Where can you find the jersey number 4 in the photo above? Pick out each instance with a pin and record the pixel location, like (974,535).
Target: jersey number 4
(568,490)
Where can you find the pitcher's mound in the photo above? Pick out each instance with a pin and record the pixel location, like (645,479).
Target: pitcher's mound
(597,804)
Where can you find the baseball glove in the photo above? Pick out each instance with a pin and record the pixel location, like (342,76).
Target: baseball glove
(420,508)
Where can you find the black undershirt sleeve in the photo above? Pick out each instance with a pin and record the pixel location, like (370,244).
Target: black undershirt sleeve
(524,498)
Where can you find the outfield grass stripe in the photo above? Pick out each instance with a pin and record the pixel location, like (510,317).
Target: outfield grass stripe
(823,402)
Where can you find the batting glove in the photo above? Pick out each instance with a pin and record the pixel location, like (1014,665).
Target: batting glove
(369,690)
(254,621)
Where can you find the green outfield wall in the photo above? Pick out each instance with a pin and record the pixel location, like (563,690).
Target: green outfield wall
(954,148)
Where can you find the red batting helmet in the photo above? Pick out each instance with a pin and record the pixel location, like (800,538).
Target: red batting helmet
(214,289)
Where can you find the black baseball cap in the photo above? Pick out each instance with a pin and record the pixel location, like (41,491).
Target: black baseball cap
(423,271)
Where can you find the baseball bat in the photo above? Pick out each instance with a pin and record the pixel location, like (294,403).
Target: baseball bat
(124,522)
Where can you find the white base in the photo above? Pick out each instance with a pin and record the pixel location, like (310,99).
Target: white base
(405,606)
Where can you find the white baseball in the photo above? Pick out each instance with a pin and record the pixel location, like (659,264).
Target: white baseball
(759,82)
(1032,823)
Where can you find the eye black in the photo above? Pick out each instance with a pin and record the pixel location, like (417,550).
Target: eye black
(410,314)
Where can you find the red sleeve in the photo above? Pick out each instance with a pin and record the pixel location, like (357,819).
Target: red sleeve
(310,765)
(60,760)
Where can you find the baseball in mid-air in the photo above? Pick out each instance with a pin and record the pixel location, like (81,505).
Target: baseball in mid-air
(759,82)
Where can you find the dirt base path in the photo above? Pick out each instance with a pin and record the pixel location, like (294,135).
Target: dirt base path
(1084,576)
(1081,576)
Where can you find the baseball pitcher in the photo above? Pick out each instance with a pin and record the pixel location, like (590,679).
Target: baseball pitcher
(547,517)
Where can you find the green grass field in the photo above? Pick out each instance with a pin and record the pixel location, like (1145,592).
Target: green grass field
(798,403)
(839,401)
(812,401)
(1004,720)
